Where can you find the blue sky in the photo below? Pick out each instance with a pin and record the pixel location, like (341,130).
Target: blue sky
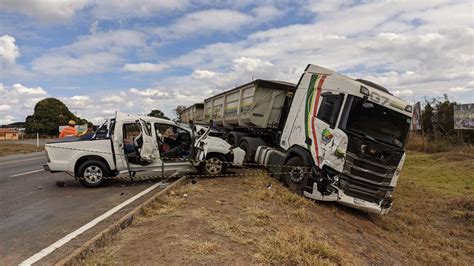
(134,56)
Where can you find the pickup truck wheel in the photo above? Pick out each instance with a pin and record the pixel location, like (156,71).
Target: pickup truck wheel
(296,175)
(214,165)
(92,173)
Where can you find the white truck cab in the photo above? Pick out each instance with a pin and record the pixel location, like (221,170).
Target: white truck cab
(133,144)
(351,133)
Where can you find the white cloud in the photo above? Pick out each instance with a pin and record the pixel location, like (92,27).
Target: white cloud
(47,11)
(150,93)
(459,89)
(20,89)
(205,22)
(9,51)
(203,74)
(115,99)
(78,102)
(17,101)
(95,53)
(5,107)
(251,64)
(7,120)
(123,9)
(266,13)
(402,93)
(144,67)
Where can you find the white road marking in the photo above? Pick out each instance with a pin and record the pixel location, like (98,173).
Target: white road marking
(30,172)
(46,251)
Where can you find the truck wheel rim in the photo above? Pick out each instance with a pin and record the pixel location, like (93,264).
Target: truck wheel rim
(93,174)
(214,166)
(296,175)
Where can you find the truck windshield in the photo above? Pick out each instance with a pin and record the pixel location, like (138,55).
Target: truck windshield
(376,122)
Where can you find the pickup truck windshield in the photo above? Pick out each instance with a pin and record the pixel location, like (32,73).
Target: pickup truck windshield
(376,122)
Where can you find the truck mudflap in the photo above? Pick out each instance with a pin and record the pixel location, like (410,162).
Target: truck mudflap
(349,201)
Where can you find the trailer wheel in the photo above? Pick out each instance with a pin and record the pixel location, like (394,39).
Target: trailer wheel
(92,173)
(296,175)
(215,164)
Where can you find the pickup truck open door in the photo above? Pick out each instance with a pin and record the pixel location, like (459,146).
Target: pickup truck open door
(149,150)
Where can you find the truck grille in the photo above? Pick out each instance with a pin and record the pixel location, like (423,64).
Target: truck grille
(367,175)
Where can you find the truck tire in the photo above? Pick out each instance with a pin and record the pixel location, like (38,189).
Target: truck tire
(92,173)
(215,164)
(233,137)
(295,175)
(250,146)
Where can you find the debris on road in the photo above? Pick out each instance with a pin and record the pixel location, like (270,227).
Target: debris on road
(60,183)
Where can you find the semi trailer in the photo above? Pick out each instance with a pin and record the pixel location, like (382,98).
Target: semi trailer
(349,133)
(193,113)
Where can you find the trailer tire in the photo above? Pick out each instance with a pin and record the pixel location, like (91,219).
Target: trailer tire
(295,176)
(215,164)
(92,173)
(233,138)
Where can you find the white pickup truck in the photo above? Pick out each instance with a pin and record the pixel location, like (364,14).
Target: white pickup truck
(132,144)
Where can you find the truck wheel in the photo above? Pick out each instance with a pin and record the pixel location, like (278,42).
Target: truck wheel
(296,175)
(250,146)
(92,173)
(215,164)
(244,145)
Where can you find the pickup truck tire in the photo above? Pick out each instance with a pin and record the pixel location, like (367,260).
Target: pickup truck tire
(91,173)
(215,164)
(295,176)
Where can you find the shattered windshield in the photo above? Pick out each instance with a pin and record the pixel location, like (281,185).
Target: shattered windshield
(102,131)
(376,122)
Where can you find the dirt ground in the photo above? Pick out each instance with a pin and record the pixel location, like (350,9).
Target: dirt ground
(14,148)
(256,220)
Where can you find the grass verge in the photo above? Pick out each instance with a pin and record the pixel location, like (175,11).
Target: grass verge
(10,148)
(242,221)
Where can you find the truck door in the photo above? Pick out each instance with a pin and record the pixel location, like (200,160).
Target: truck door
(149,148)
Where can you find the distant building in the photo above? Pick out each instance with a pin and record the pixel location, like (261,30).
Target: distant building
(9,134)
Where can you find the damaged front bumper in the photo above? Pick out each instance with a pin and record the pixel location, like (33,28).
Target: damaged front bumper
(339,196)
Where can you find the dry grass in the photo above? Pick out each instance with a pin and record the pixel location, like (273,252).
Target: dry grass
(420,144)
(296,246)
(201,247)
(234,231)
(240,221)
(433,214)
(10,148)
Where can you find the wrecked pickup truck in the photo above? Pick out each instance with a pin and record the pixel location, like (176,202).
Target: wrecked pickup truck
(133,144)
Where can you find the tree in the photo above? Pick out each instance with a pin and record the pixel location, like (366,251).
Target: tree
(179,110)
(49,114)
(427,118)
(157,113)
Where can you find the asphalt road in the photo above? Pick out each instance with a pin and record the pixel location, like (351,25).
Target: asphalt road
(35,213)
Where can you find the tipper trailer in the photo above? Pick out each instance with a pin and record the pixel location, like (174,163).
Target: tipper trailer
(193,113)
(350,133)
